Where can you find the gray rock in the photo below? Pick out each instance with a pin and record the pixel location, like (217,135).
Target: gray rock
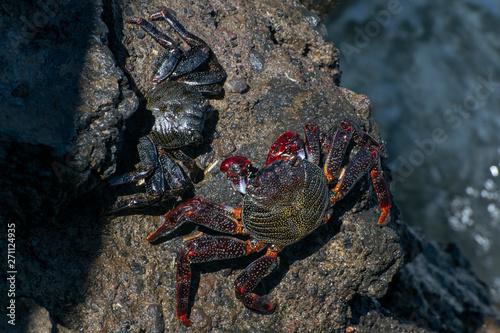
(63,102)
(92,273)
(436,288)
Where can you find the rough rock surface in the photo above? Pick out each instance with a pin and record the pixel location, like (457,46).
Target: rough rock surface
(81,271)
(63,102)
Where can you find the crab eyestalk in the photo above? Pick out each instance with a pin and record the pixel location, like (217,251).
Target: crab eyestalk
(287,144)
(236,169)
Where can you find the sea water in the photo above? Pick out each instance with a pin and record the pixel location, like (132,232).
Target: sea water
(432,72)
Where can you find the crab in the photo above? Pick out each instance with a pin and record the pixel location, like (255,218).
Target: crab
(181,82)
(283,202)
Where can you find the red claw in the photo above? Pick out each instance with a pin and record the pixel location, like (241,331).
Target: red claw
(287,144)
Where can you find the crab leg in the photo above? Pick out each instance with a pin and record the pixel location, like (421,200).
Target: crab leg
(208,79)
(149,161)
(141,201)
(151,30)
(367,159)
(132,177)
(220,218)
(205,249)
(380,186)
(160,169)
(179,28)
(337,149)
(249,279)
(312,143)
(187,161)
(197,54)
(170,58)
(359,166)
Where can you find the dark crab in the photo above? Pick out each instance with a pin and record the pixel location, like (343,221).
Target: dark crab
(284,201)
(178,104)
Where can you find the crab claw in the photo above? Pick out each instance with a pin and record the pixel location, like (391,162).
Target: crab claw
(236,169)
(287,144)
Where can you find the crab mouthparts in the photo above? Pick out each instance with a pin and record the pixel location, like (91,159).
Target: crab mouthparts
(239,183)
(286,153)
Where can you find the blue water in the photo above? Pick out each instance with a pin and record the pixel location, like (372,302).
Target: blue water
(432,72)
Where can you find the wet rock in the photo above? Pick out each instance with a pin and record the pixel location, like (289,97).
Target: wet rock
(375,322)
(320,7)
(202,322)
(38,321)
(94,273)
(436,288)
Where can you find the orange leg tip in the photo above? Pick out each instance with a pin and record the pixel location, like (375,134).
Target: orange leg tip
(263,304)
(329,177)
(271,307)
(157,234)
(184,320)
(383,215)
(154,236)
(335,196)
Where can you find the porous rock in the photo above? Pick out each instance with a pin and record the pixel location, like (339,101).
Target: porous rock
(93,273)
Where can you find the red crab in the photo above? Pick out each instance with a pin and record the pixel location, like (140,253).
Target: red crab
(285,201)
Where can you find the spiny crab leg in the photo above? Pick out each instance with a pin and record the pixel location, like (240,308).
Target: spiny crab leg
(237,170)
(337,149)
(186,35)
(132,177)
(196,55)
(312,143)
(169,59)
(251,276)
(380,186)
(138,201)
(367,159)
(217,217)
(210,248)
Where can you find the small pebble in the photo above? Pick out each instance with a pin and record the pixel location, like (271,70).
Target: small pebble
(201,321)
(226,272)
(257,61)
(231,35)
(138,268)
(323,273)
(237,85)
(140,34)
